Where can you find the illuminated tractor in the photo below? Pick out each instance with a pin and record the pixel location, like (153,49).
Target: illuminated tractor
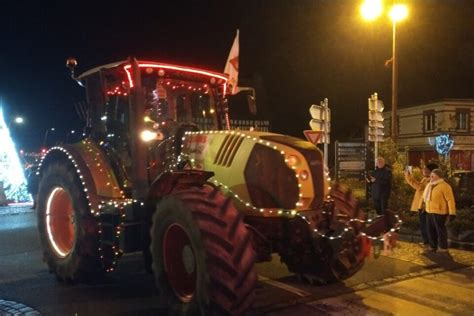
(161,170)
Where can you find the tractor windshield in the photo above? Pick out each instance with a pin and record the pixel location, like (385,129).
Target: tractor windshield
(182,100)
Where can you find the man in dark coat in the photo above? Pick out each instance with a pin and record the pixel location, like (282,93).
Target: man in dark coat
(381,181)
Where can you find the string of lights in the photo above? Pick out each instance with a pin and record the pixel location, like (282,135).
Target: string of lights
(281,212)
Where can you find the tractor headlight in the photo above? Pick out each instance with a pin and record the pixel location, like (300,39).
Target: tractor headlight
(148,136)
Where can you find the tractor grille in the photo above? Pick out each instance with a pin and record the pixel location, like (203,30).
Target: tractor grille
(226,154)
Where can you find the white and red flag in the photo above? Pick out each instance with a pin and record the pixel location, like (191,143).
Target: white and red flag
(232,66)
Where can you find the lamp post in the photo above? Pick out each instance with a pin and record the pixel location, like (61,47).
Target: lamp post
(69,133)
(371,10)
(46,135)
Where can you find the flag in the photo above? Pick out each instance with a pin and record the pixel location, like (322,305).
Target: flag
(232,66)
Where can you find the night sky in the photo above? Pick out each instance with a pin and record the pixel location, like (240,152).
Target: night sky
(296,52)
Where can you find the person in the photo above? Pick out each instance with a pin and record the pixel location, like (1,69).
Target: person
(417,204)
(440,207)
(381,182)
(32,184)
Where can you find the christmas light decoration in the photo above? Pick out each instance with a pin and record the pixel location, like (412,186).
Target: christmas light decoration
(292,162)
(11,171)
(443,144)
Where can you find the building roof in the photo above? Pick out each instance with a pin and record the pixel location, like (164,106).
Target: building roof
(439,101)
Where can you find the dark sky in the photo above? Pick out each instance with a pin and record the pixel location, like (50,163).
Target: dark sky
(296,52)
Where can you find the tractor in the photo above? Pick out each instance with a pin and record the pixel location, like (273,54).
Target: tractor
(163,171)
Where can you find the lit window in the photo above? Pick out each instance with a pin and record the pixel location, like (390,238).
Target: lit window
(429,121)
(462,119)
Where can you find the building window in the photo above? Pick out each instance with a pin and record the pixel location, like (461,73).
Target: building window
(462,120)
(429,121)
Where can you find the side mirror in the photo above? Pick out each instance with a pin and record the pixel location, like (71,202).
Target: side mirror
(252,104)
(251,99)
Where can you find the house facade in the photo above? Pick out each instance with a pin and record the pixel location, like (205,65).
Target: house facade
(422,126)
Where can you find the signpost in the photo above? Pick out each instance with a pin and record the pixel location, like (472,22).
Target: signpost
(320,126)
(313,136)
(376,126)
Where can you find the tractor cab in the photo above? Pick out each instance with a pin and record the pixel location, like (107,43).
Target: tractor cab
(136,110)
(172,93)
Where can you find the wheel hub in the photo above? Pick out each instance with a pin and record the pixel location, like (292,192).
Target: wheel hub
(60,222)
(179,262)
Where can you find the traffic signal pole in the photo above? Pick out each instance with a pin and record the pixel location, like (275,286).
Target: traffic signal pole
(321,124)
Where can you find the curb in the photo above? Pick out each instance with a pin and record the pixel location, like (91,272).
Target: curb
(455,244)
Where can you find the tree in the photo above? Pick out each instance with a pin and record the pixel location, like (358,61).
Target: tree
(11,171)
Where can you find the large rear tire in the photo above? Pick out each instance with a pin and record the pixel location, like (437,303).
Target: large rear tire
(203,259)
(68,232)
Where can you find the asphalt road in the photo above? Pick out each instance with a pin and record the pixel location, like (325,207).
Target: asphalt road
(402,283)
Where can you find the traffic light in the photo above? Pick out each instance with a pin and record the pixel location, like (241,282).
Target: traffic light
(376,127)
(321,120)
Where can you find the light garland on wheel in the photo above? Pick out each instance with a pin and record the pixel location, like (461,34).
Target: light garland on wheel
(119,205)
(77,168)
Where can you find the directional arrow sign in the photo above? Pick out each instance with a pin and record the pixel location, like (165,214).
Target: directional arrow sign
(313,136)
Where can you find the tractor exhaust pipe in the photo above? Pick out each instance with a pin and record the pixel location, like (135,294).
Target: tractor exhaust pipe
(137,125)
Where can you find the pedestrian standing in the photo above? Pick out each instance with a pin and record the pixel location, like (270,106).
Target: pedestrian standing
(381,181)
(440,208)
(417,204)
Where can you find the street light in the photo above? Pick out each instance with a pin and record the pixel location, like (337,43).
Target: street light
(46,135)
(370,10)
(69,133)
(19,120)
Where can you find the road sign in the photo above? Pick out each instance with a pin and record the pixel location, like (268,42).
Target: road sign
(352,165)
(320,123)
(313,136)
(376,138)
(376,126)
(351,160)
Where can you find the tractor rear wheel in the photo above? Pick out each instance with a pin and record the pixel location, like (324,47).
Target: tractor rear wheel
(68,232)
(203,259)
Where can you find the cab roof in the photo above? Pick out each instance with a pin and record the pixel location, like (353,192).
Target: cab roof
(126,65)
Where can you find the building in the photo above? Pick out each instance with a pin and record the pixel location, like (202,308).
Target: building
(423,126)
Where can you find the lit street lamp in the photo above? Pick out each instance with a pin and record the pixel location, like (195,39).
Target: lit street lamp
(19,120)
(370,10)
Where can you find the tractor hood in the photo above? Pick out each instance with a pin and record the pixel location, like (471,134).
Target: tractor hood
(265,173)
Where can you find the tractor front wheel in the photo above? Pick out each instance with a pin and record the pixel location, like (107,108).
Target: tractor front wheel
(202,255)
(337,254)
